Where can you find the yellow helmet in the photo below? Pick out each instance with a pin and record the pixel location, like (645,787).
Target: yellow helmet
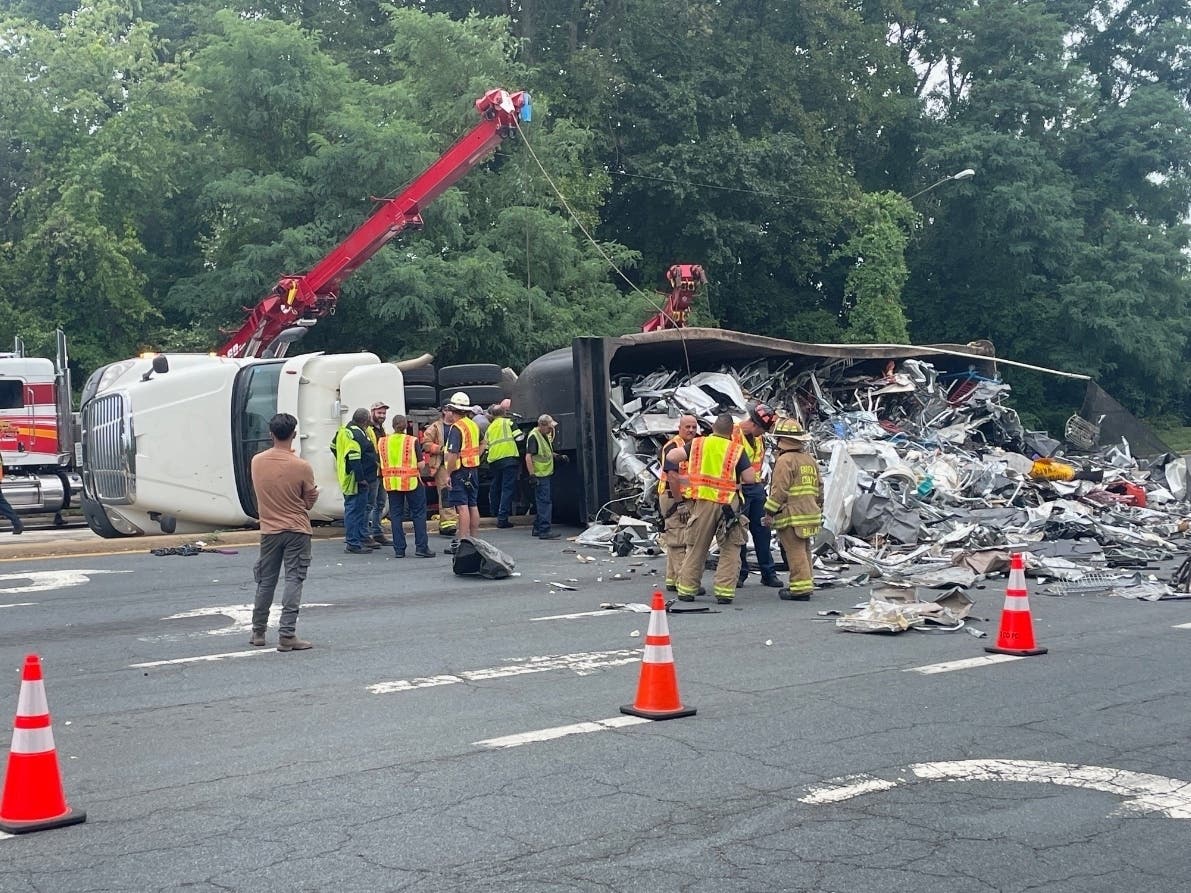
(791,428)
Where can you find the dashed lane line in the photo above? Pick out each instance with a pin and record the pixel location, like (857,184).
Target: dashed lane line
(202,658)
(966,664)
(579,728)
(581,664)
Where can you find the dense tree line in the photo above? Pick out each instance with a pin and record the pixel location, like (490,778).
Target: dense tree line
(162,163)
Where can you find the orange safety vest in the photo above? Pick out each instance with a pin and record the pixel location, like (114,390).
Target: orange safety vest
(469,452)
(675,441)
(756,452)
(712,469)
(398,463)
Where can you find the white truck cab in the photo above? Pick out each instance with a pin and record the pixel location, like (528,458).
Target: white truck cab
(168,441)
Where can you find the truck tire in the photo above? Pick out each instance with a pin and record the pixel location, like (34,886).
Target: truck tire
(422,375)
(98,521)
(420,395)
(455,377)
(479,394)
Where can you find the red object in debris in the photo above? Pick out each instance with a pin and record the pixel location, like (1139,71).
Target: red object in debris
(1134,495)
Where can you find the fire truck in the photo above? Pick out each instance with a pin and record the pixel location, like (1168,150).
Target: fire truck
(37,442)
(167,440)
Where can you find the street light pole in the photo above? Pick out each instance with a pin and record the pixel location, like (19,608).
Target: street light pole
(962,175)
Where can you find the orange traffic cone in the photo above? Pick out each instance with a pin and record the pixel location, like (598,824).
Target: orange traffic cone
(1016,635)
(33,798)
(657,691)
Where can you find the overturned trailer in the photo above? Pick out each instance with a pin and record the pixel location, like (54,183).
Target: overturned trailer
(590,388)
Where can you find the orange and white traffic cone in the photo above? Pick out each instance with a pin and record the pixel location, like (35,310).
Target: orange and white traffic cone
(657,690)
(33,797)
(1016,635)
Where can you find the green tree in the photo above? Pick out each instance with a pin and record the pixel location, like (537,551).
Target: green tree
(876,253)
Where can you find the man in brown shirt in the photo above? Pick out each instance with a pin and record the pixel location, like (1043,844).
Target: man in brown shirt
(285,492)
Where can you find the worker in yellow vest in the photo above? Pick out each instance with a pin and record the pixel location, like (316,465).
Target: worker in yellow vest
(539,462)
(401,460)
(716,467)
(675,508)
(434,443)
(795,506)
(504,461)
(8,511)
(353,457)
(464,448)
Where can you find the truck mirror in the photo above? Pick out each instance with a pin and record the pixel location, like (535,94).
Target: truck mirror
(161,364)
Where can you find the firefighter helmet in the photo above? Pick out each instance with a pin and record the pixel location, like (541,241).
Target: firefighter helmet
(789,428)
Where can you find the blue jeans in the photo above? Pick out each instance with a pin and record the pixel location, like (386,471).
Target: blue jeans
(376,505)
(544,504)
(415,501)
(504,481)
(754,508)
(355,509)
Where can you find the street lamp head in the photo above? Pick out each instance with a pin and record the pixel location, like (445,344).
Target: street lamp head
(964,174)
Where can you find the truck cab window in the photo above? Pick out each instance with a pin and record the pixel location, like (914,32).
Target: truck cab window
(254,402)
(12,394)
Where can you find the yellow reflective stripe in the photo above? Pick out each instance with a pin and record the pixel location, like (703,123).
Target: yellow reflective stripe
(801,586)
(771,506)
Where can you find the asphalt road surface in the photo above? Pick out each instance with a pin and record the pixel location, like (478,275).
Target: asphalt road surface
(450,733)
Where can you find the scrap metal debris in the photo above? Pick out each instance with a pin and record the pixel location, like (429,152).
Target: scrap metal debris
(931,478)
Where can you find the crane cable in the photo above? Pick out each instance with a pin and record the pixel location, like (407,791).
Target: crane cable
(598,247)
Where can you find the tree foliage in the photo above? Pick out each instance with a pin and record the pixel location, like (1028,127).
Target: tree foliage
(162,164)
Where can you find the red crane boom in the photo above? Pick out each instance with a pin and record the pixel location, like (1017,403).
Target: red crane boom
(684,280)
(302,300)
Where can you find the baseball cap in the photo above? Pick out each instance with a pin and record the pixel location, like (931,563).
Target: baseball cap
(379,404)
(546,419)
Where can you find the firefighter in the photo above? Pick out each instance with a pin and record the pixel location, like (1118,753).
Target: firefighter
(750,433)
(716,466)
(463,449)
(675,509)
(434,439)
(504,461)
(400,458)
(795,506)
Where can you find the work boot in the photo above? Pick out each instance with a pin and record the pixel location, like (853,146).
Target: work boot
(685,598)
(381,540)
(293,643)
(721,600)
(504,525)
(397,554)
(772,582)
(370,546)
(258,639)
(670,587)
(794,596)
(357,550)
(18,526)
(549,536)
(424,553)
(740,580)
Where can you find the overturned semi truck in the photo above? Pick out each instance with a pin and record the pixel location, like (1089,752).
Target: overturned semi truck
(596,390)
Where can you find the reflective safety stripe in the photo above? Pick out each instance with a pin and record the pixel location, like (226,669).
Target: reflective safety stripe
(673,443)
(712,469)
(725,591)
(469,452)
(756,452)
(398,463)
(1017,603)
(688,590)
(502,443)
(31,701)
(657,628)
(32,740)
(801,585)
(658,654)
(543,460)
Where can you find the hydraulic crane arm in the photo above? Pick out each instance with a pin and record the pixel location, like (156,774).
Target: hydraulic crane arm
(684,280)
(303,299)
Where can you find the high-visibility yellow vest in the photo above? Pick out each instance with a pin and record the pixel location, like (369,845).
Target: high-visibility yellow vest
(543,459)
(755,452)
(346,448)
(502,442)
(672,443)
(711,469)
(469,451)
(398,463)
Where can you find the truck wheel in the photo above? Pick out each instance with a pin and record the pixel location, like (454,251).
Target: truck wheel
(479,394)
(456,377)
(422,375)
(420,395)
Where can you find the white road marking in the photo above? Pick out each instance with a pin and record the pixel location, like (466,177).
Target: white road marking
(581,664)
(578,728)
(18,605)
(4,836)
(241,616)
(1182,626)
(44,581)
(200,659)
(603,613)
(965,664)
(1144,793)
(839,789)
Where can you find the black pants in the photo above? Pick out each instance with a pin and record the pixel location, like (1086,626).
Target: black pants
(9,512)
